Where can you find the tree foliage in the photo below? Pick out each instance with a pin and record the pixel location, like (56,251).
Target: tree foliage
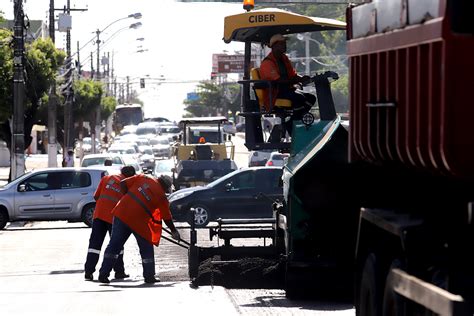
(6,74)
(214,99)
(41,62)
(108,106)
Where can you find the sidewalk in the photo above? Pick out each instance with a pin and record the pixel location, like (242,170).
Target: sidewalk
(32,162)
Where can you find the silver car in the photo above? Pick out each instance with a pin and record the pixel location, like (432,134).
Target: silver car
(51,194)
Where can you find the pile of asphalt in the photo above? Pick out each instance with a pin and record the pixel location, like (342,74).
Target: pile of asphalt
(245,273)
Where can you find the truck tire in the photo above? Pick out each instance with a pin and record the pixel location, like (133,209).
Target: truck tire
(3,218)
(369,300)
(392,302)
(88,214)
(201,215)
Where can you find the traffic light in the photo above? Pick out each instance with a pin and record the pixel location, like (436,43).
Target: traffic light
(142,83)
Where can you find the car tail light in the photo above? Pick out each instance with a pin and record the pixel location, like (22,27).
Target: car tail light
(269,163)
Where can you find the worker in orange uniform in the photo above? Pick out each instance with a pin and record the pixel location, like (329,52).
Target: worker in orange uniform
(140,212)
(107,195)
(278,68)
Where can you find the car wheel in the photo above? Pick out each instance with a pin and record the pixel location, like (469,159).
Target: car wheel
(201,215)
(3,219)
(88,214)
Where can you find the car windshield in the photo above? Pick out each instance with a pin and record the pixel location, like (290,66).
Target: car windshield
(147,151)
(146,130)
(126,151)
(170,130)
(159,141)
(164,166)
(223,179)
(93,161)
(278,157)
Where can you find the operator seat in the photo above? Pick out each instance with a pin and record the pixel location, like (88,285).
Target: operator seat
(258,87)
(282,107)
(203,152)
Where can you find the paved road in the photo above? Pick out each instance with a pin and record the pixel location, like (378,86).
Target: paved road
(42,274)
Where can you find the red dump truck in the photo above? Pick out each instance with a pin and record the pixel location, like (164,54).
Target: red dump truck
(411,75)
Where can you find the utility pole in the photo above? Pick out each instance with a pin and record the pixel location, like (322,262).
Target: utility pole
(18,139)
(92,66)
(95,132)
(79,71)
(128,89)
(68,123)
(67,88)
(52,102)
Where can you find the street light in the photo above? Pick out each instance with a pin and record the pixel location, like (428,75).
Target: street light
(111,37)
(98,32)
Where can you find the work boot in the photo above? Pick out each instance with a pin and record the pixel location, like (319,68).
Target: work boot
(121,275)
(103,279)
(152,279)
(88,276)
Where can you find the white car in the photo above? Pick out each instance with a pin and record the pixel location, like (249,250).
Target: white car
(161,147)
(163,167)
(146,158)
(259,157)
(51,194)
(99,160)
(277,159)
(87,146)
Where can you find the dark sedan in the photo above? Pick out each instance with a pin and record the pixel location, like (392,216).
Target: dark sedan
(244,193)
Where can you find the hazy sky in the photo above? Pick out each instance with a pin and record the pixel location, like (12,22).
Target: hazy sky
(180,39)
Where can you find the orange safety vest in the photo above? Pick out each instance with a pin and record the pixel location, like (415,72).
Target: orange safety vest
(107,195)
(143,206)
(269,71)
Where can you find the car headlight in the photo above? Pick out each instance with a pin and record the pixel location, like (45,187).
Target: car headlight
(178,196)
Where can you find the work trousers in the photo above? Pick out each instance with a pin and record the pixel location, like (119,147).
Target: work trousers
(301,104)
(99,230)
(120,234)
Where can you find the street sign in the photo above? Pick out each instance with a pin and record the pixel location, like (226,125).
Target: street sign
(192,96)
(230,63)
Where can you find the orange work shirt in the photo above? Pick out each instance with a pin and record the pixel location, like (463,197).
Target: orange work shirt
(143,206)
(107,195)
(269,70)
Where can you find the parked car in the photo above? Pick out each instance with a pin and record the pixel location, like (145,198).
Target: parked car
(277,159)
(244,193)
(51,194)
